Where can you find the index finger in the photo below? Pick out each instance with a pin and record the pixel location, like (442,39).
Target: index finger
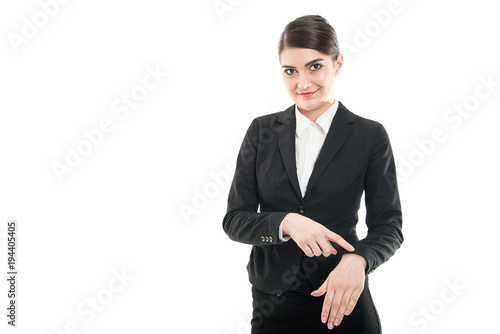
(339,240)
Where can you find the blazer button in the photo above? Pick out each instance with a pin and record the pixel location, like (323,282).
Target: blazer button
(301,209)
(263,239)
(267,239)
(270,239)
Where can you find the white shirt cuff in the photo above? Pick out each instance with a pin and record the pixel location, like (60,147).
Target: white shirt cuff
(280,233)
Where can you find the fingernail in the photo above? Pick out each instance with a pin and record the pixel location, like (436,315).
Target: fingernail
(330,325)
(323,320)
(337,322)
(352,248)
(347,312)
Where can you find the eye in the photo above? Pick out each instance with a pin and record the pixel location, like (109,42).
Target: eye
(315,67)
(289,71)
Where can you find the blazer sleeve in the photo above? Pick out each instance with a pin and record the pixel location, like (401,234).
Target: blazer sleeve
(383,207)
(242,222)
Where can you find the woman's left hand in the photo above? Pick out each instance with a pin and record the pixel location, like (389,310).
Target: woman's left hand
(343,288)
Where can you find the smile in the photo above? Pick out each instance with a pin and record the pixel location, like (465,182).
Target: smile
(308,94)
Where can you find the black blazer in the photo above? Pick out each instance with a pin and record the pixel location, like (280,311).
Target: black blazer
(356,156)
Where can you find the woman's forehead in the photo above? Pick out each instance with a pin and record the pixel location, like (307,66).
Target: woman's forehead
(295,57)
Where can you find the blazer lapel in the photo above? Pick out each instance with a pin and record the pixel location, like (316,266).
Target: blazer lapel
(339,130)
(285,131)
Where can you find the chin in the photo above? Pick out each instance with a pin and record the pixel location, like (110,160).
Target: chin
(310,105)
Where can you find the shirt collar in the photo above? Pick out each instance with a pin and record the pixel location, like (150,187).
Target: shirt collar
(324,120)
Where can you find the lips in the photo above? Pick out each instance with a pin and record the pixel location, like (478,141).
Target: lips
(308,94)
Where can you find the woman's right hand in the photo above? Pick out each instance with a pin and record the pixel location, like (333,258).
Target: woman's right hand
(312,237)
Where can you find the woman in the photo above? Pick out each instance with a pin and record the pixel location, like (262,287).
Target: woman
(297,188)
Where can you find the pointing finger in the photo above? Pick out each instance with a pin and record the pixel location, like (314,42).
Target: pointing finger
(340,241)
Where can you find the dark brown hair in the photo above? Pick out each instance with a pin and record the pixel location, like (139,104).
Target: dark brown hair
(310,32)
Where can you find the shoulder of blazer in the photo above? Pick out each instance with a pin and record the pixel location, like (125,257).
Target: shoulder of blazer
(364,123)
(279,117)
(275,122)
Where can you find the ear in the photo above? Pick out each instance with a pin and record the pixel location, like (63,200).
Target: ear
(339,63)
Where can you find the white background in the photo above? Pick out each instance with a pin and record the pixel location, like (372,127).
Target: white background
(120,208)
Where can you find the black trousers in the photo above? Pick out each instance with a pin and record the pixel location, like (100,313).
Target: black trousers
(299,312)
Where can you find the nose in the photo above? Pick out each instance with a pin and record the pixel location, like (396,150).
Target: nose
(303,81)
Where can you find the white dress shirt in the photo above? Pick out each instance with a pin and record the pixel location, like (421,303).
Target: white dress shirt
(309,138)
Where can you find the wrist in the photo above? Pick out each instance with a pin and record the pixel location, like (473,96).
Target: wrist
(285,224)
(355,259)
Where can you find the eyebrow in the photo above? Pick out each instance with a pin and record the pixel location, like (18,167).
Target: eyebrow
(306,65)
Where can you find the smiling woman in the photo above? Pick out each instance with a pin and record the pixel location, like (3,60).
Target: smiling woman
(310,85)
(307,168)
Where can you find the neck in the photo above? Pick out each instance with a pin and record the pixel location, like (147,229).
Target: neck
(315,113)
